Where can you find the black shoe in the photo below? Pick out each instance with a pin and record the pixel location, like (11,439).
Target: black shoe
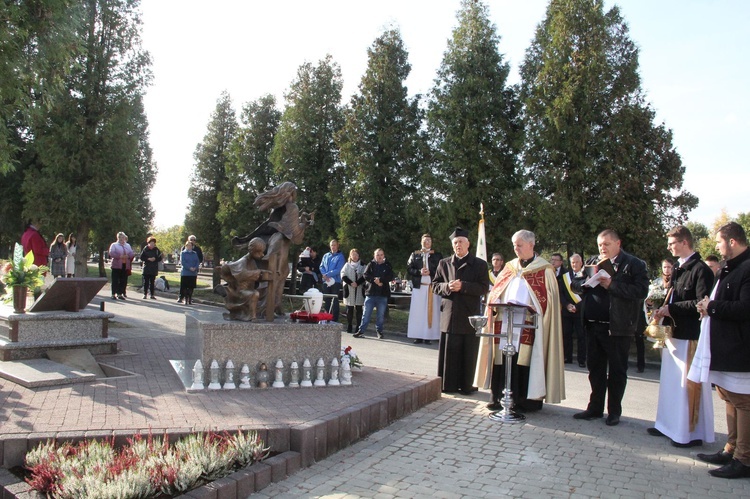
(587,415)
(418,341)
(428,342)
(612,420)
(581,364)
(495,406)
(145,296)
(380,335)
(114,297)
(692,443)
(720,457)
(640,369)
(359,334)
(734,469)
(654,432)
(568,361)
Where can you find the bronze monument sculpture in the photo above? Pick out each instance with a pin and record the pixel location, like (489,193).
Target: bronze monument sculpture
(244,297)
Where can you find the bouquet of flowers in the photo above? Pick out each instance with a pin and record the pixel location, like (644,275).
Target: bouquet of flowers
(21,271)
(656,293)
(348,353)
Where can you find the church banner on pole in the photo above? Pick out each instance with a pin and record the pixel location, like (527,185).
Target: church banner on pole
(481,239)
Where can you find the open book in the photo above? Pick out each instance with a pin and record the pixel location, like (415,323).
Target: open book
(594,280)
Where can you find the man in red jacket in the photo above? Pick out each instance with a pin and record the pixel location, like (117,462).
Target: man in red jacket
(32,240)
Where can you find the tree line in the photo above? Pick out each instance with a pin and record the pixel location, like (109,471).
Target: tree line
(571,150)
(74,149)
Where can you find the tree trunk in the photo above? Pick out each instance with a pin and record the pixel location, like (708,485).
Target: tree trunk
(102,272)
(82,252)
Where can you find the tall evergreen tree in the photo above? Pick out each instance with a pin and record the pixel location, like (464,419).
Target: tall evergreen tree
(249,171)
(594,156)
(92,169)
(304,150)
(208,181)
(473,120)
(37,41)
(381,147)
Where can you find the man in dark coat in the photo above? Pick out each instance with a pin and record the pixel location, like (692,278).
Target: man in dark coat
(461,280)
(726,326)
(610,317)
(378,276)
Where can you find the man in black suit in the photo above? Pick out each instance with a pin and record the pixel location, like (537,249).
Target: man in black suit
(557,262)
(570,311)
(610,318)
(461,280)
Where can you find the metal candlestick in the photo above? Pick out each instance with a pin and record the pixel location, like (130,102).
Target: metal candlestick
(507,414)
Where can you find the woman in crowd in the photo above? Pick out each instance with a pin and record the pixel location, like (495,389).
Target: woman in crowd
(121,255)
(189,273)
(150,256)
(57,253)
(424,311)
(70,260)
(352,275)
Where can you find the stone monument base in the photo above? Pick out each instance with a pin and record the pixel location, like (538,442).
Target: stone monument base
(31,335)
(209,337)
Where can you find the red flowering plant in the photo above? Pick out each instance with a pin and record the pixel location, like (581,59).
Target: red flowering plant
(348,353)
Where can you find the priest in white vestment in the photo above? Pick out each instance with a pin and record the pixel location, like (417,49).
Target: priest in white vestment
(537,372)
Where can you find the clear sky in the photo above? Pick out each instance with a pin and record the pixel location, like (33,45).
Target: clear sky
(693,63)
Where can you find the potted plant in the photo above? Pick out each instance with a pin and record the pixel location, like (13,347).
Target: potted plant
(19,275)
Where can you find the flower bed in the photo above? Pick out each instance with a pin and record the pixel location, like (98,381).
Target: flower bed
(145,467)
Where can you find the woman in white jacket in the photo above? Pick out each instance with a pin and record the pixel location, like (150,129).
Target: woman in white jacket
(353,281)
(70,260)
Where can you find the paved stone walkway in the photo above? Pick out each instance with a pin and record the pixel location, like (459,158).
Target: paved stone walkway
(450,449)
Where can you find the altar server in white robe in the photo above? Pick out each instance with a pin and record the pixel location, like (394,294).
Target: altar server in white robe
(685,410)
(424,311)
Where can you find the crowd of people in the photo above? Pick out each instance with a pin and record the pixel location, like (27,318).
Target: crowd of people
(60,256)
(602,306)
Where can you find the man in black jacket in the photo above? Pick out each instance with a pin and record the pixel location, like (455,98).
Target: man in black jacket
(378,276)
(726,321)
(570,310)
(461,280)
(685,410)
(610,317)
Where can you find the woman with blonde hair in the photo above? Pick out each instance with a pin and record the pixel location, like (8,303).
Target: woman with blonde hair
(121,255)
(352,275)
(189,273)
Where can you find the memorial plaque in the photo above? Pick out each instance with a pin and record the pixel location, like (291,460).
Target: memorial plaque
(71,294)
